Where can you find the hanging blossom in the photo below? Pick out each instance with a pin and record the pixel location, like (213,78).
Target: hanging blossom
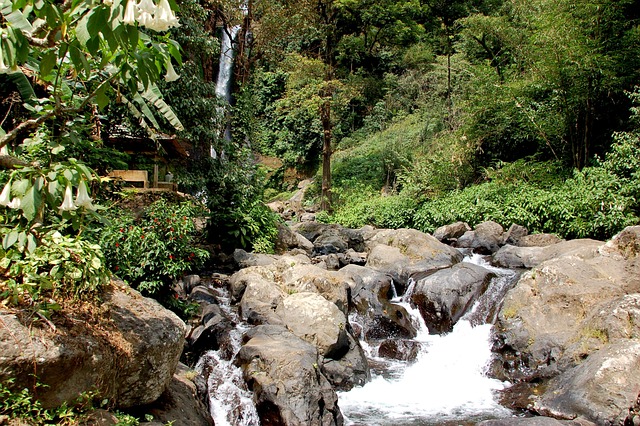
(5,196)
(158,17)
(3,68)
(82,197)
(171,74)
(67,203)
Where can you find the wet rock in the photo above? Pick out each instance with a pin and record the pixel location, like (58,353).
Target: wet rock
(180,403)
(400,349)
(450,233)
(130,362)
(350,370)
(283,371)
(445,296)
(203,295)
(187,284)
(259,301)
(371,292)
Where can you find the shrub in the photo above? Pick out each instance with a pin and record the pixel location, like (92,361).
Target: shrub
(153,250)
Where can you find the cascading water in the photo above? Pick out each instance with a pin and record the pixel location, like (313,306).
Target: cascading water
(230,403)
(225,72)
(447,382)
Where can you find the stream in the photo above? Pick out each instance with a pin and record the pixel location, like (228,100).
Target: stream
(446,384)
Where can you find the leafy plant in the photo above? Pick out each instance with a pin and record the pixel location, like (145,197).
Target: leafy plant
(152,251)
(21,404)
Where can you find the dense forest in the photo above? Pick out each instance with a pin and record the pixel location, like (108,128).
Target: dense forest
(407,113)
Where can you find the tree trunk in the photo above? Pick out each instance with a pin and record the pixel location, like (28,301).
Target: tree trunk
(325,116)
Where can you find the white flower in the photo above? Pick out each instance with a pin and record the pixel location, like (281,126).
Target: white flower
(14,204)
(147,6)
(67,203)
(145,19)
(130,13)
(171,74)
(82,197)
(108,2)
(5,196)
(3,67)
(167,14)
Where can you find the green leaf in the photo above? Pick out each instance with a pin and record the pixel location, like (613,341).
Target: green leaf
(82,30)
(47,63)
(31,202)
(9,239)
(146,111)
(102,99)
(31,243)
(153,95)
(18,21)
(23,85)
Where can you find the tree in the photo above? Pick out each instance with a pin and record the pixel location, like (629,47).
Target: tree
(67,60)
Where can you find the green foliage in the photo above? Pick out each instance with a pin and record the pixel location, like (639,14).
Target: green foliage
(152,251)
(21,405)
(59,267)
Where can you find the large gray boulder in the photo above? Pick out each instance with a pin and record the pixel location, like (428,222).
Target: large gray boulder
(283,371)
(129,356)
(528,257)
(310,278)
(316,320)
(401,253)
(573,319)
(371,294)
(601,388)
(445,296)
(450,233)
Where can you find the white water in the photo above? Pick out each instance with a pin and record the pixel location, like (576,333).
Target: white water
(230,403)
(446,383)
(223,82)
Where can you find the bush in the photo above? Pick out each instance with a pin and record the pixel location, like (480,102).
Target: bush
(150,252)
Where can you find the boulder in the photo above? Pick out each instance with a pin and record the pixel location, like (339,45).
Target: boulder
(245,259)
(259,301)
(350,370)
(486,238)
(283,371)
(528,257)
(400,349)
(445,296)
(287,240)
(601,388)
(371,292)
(404,252)
(180,403)
(538,240)
(514,234)
(625,244)
(129,356)
(310,278)
(330,237)
(450,233)
(316,320)
(553,317)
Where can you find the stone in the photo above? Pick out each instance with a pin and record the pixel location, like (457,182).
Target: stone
(514,234)
(601,388)
(528,257)
(445,296)
(350,370)
(244,259)
(403,252)
(129,358)
(371,294)
(287,240)
(451,232)
(203,295)
(538,240)
(488,237)
(283,371)
(400,349)
(316,320)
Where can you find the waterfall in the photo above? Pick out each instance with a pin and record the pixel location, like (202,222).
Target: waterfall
(223,83)
(447,381)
